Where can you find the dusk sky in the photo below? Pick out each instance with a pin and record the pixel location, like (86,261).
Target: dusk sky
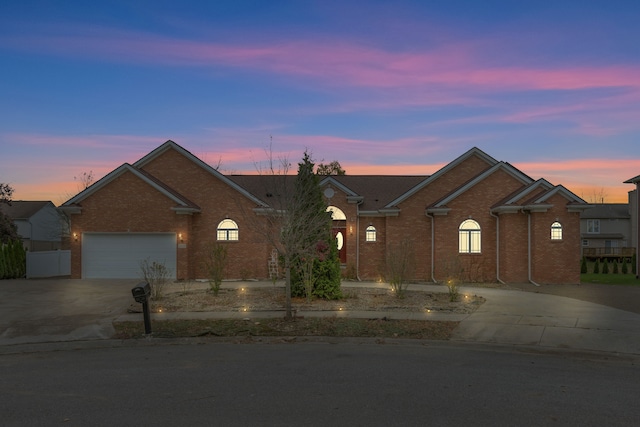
(402,87)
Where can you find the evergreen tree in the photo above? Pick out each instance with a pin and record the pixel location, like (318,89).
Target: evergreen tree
(615,266)
(315,260)
(596,267)
(605,266)
(583,266)
(625,266)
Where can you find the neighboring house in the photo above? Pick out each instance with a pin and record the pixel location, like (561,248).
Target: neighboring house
(634,203)
(476,218)
(606,231)
(39,224)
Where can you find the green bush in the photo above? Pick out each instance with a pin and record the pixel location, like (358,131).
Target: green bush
(625,266)
(596,267)
(319,277)
(615,266)
(583,266)
(605,267)
(13,260)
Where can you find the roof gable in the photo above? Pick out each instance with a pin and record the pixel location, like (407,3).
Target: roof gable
(461,159)
(181,201)
(510,170)
(170,145)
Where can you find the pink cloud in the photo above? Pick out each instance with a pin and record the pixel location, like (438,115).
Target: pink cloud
(335,62)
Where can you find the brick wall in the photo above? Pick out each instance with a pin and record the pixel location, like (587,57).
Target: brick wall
(556,261)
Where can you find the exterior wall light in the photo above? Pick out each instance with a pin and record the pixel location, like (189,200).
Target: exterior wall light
(75,236)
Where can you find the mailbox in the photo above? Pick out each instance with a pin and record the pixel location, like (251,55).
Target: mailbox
(141,292)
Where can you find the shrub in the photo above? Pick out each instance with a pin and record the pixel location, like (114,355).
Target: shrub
(615,266)
(13,260)
(452,286)
(215,264)
(400,266)
(625,266)
(596,267)
(156,274)
(583,266)
(605,267)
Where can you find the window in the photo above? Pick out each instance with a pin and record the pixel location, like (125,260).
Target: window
(469,237)
(585,242)
(370,234)
(556,231)
(228,230)
(593,226)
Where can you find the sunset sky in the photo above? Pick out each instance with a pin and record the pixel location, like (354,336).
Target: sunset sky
(402,87)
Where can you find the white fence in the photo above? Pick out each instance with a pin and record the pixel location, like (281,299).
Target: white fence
(48,264)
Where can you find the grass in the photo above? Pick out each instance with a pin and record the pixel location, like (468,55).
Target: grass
(610,279)
(279,327)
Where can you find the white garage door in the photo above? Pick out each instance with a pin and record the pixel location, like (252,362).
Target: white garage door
(118,255)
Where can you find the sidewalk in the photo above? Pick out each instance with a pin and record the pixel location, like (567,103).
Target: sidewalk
(67,310)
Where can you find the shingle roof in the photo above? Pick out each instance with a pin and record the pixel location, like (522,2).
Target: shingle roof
(22,209)
(375,190)
(607,211)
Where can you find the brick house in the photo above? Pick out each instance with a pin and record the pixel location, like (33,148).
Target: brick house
(477,217)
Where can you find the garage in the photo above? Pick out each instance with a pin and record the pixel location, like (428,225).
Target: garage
(118,255)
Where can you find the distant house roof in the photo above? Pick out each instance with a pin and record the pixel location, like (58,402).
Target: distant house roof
(634,180)
(607,211)
(23,209)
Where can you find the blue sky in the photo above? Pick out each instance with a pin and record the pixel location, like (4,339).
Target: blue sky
(383,87)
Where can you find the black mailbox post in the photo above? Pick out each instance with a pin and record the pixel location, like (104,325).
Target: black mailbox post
(141,294)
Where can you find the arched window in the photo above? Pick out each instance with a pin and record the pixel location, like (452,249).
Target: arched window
(556,231)
(228,230)
(370,234)
(469,237)
(336,213)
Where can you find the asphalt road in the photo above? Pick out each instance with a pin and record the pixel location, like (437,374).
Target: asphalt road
(315,384)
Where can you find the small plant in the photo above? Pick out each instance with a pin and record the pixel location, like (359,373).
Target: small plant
(400,266)
(583,266)
(625,266)
(615,267)
(156,274)
(452,286)
(605,267)
(215,264)
(596,267)
(185,286)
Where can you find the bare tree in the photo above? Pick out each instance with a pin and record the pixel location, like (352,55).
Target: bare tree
(84,180)
(291,224)
(596,196)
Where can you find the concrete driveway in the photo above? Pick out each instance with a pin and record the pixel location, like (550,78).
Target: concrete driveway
(49,310)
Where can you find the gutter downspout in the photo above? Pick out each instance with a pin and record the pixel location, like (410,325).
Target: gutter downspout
(358,242)
(433,247)
(529,246)
(497,247)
